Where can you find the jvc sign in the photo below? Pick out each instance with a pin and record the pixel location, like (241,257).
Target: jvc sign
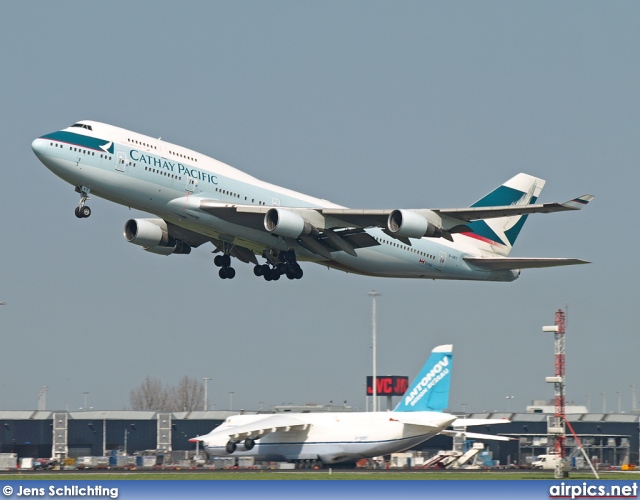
(388,385)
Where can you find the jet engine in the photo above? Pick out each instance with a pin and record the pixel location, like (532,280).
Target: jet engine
(411,224)
(246,445)
(153,236)
(287,223)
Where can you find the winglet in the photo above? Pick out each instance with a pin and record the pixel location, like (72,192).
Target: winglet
(579,202)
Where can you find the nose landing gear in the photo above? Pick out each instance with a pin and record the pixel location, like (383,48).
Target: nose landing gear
(82,211)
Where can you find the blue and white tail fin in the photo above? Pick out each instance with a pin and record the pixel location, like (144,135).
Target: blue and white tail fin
(501,233)
(430,389)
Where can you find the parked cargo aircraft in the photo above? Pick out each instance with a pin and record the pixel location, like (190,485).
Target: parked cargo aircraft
(198,199)
(349,436)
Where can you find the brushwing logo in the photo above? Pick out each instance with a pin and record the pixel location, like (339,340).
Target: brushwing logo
(430,380)
(108,147)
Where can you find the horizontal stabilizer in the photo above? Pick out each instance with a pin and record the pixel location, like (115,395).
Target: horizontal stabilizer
(475,435)
(471,422)
(430,420)
(505,263)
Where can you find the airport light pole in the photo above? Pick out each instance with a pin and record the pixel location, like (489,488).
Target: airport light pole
(509,398)
(373,294)
(231,393)
(206,392)
(104,433)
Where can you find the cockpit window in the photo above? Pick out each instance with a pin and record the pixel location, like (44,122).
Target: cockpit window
(82,125)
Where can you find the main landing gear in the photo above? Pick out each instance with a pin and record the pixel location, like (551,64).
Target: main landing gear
(278,264)
(82,211)
(224,263)
(286,265)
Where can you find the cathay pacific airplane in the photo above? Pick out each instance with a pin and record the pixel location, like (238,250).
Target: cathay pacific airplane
(349,436)
(197,199)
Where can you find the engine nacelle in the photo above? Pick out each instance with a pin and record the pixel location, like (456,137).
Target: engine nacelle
(410,224)
(153,236)
(233,446)
(146,232)
(179,247)
(287,223)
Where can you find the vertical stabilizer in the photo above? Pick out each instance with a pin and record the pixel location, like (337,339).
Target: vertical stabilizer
(501,233)
(430,389)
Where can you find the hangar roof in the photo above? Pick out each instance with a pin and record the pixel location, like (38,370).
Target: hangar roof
(25,415)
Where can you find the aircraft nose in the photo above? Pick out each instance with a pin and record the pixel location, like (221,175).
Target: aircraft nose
(38,146)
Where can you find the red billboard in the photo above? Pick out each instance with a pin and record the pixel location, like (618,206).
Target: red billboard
(388,385)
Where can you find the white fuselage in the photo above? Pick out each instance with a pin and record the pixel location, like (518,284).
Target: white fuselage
(168,180)
(331,437)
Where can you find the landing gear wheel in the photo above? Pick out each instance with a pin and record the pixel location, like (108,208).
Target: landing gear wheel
(231,273)
(82,212)
(217,260)
(226,260)
(223,273)
(257,270)
(230,447)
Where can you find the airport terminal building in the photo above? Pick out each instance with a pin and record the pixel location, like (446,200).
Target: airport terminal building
(608,438)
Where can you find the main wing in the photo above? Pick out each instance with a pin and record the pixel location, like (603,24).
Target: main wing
(314,222)
(379,218)
(258,428)
(323,230)
(254,216)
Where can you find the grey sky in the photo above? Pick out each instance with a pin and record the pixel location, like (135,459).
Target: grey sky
(367,104)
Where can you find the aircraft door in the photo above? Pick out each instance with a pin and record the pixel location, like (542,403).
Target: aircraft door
(120,162)
(441,261)
(192,184)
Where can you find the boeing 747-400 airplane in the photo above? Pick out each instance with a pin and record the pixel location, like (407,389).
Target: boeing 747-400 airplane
(197,199)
